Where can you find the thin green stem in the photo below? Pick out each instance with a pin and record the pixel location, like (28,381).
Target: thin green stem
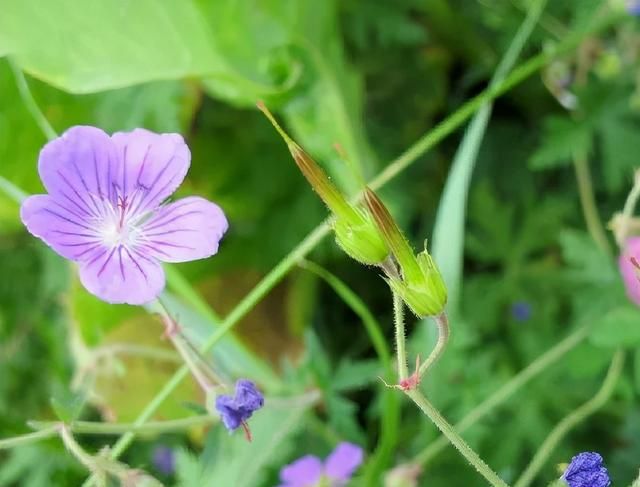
(29,438)
(74,447)
(588,202)
(507,390)
(621,231)
(456,440)
(572,420)
(398,321)
(30,102)
(390,415)
(442,323)
(152,427)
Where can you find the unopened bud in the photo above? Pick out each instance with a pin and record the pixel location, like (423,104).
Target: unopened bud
(421,285)
(355,232)
(361,241)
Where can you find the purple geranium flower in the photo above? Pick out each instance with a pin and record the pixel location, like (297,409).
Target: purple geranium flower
(164,459)
(337,469)
(586,470)
(234,411)
(628,265)
(105,210)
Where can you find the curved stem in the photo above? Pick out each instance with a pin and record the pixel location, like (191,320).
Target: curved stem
(29,438)
(588,202)
(29,101)
(442,323)
(456,440)
(507,390)
(573,419)
(630,203)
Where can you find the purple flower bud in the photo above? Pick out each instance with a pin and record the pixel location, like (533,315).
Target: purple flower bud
(586,470)
(164,459)
(236,410)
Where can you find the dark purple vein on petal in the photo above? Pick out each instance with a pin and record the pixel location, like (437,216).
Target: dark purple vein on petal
(137,264)
(86,251)
(158,223)
(152,185)
(121,264)
(77,193)
(104,265)
(95,169)
(86,187)
(62,217)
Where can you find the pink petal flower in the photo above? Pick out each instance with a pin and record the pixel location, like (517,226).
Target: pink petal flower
(630,274)
(104,210)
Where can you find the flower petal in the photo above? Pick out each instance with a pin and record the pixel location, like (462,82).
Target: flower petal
(189,229)
(122,275)
(630,274)
(77,168)
(153,167)
(304,472)
(62,227)
(343,461)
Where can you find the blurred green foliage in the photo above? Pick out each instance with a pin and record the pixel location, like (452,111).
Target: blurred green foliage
(373,76)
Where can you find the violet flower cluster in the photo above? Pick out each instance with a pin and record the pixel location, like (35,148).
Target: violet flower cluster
(105,210)
(586,470)
(234,411)
(335,471)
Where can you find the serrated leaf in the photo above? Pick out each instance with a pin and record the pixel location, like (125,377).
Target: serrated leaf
(561,138)
(67,404)
(620,327)
(343,417)
(236,462)
(355,375)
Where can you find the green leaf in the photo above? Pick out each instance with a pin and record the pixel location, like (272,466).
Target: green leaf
(240,463)
(101,44)
(355,375)
(561,138)
(618,328)
(67,404)
(448,232)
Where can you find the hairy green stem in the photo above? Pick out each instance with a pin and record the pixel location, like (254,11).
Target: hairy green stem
(588,202)
(152,427)
(398,321)
(507,390)
(442,323)
(456,440)
(29,438)
(572,420)
(428,409)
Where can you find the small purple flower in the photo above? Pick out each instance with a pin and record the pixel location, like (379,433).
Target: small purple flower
(105,210)
(521,311)
(164,459)
(586,470)
(628,265)
(633,7)
(234,411)
(337,469)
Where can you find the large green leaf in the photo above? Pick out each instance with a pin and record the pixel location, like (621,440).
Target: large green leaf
(84,47)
